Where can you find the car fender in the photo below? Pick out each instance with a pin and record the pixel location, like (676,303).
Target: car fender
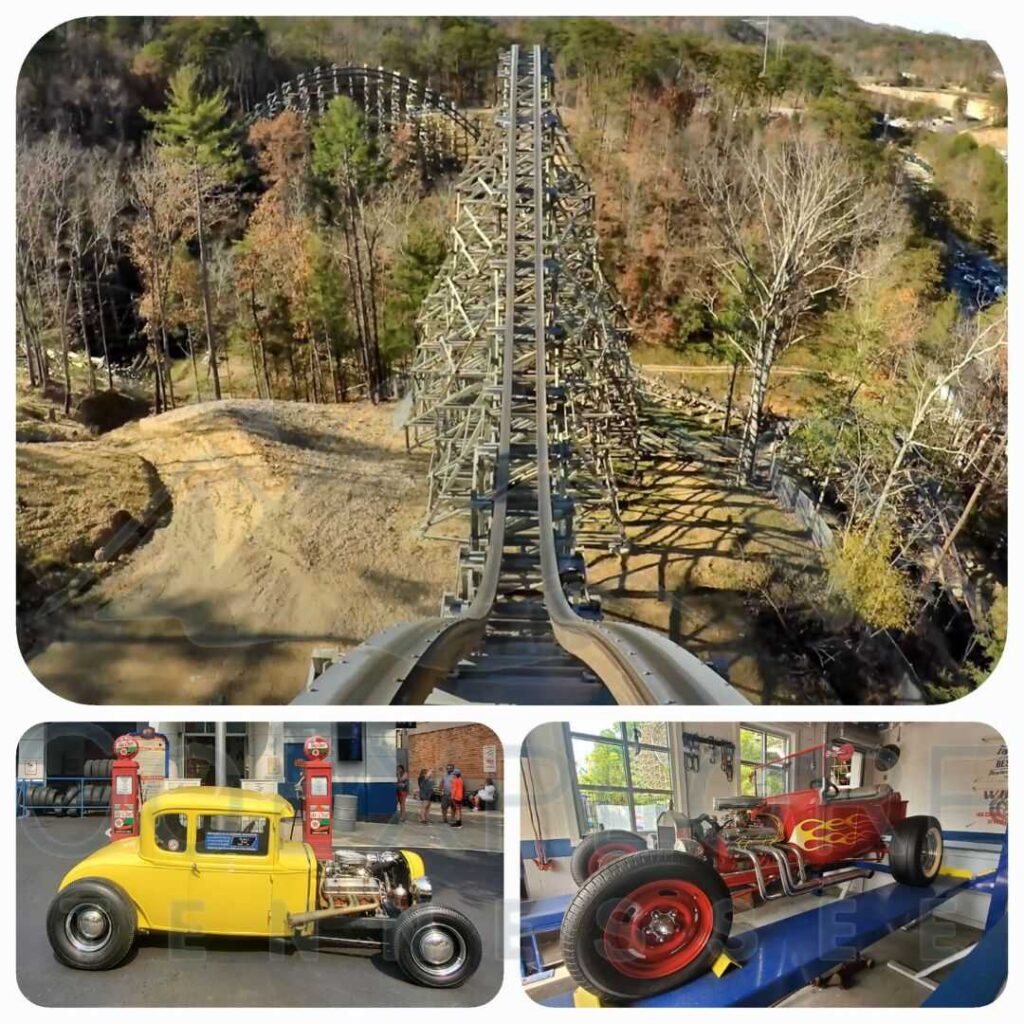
(417,868)
(74,875)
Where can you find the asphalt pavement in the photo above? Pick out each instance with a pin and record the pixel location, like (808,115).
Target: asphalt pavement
(177,971)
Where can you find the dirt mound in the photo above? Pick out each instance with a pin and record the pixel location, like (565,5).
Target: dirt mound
(293,526)
(79,507)
(108,410)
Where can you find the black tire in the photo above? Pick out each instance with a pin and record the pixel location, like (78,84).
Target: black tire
(418,924)
(71,798)
(601,848)
(915,850)
(887,757)
(68,933)
(601,907)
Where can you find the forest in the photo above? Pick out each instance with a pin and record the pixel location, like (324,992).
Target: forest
(171,247)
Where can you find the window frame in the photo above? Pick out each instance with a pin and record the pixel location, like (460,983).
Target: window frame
(785,769)
(189,842)
(623,743)
(258,854)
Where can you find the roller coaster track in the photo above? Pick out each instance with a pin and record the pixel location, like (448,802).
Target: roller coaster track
(524,390)
(442,134)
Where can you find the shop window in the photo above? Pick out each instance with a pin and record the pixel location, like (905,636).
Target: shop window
(763,768)
(623,775)
(348,745)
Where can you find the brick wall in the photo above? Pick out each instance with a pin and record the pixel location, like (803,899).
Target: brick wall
(461,744)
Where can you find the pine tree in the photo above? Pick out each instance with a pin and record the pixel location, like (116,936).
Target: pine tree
(192,129)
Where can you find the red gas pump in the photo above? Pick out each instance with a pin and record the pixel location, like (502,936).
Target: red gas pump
(316,793)
(124,789)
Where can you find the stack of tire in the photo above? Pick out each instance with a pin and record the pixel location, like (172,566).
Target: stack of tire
(66,799)
(96,795)
(99,768)
(44,798)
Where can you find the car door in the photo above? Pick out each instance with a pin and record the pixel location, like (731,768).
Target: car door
(162,887)
(231,880)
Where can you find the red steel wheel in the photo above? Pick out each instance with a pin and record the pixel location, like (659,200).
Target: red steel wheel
(658,929)
(645,924)
(602,848)
(608,852)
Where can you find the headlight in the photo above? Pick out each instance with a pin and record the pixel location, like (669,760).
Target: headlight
(422,890)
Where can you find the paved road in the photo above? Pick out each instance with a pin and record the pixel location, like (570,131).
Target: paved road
(233,972)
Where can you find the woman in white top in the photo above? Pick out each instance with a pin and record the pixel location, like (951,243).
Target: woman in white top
(484,795)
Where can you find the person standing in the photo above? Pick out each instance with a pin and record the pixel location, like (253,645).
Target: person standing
(458,792)
(425,790)
(402,791)
(446,791)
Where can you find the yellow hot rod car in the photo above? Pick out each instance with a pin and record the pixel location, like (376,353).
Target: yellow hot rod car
(215,861)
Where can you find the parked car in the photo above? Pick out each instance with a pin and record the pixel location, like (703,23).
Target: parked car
(215,861)
(648,920)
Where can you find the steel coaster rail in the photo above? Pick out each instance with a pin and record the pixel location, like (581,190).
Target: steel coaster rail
(406,663)
(418,655)
(638,665)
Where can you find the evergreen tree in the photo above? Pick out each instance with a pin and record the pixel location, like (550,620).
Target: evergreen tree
(417,264)
(192,129)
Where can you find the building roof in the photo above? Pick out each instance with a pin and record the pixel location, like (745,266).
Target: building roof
(219,800)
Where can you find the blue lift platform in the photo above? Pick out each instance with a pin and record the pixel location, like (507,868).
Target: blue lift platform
(779,958)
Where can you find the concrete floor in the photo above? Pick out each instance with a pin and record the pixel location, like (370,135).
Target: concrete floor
(222,972)
(929,942)
(481,830)
(924,944)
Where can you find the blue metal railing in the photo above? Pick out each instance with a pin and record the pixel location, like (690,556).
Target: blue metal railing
(69,784)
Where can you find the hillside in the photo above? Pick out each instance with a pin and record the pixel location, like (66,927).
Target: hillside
(864,49)
(286,527)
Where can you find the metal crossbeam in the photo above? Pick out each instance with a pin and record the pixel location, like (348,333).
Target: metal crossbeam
(524,393)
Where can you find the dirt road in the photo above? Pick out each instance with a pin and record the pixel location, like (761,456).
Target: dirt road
(289,526)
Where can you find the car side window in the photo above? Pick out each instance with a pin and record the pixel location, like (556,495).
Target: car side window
(232,833)
(170,832)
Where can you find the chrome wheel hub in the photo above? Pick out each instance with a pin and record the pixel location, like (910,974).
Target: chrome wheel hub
(662,926)
(436,947)
(87,927)
(439,950)
(931,853)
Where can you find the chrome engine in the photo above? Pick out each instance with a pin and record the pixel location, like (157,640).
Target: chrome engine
(743,828)
(381,879)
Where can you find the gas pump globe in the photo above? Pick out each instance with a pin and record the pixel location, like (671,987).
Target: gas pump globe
(316,804)
(124,789)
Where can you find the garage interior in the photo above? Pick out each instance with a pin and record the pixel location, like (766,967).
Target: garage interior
(867,943)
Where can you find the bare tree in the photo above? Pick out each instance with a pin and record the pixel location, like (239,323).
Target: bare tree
(58,163)
(974,343)
(159,190)
(31,258)
(791,217)
(106,200)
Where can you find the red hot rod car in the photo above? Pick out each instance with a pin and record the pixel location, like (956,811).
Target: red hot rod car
(648,920)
